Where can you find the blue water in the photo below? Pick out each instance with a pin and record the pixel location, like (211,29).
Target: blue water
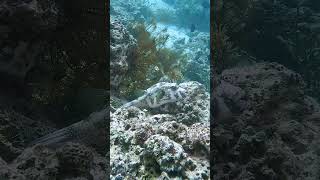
(186,22)
(171,51)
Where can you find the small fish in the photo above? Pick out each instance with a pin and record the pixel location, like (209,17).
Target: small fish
(192,28)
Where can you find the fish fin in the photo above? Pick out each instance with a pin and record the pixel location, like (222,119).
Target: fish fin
(53,139)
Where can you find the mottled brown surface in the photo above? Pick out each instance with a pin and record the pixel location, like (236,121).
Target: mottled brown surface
(274,130)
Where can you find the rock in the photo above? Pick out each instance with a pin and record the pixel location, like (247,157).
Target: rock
(37,162)
(196,139)
(17,131)
(271,124)
(71,161)
(194,107)
(128,12)
(20,51)
(121,47)
(283,27)
(198,53)
(137,137)
(75,158)
(166,153)
(34,15)
(7,172)
(36,37)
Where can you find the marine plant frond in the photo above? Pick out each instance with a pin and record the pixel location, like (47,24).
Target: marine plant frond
(223,48)
(152,26)
(151,61)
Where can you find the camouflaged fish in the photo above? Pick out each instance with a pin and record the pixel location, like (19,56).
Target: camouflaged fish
(91,131)
(157,95)
(94,127)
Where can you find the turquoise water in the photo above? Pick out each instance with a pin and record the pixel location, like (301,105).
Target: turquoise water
(185,23)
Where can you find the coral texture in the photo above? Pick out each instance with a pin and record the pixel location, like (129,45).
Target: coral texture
(35,17)
(71,161)
(45,59)
(270,134)
(121,47)
(154,142)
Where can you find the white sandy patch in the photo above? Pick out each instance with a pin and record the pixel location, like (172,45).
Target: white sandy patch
(175,33)
(156,5)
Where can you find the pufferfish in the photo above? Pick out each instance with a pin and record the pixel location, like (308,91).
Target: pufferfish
(157,95)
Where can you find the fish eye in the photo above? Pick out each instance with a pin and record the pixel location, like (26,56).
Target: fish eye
(162,92)
(174,88)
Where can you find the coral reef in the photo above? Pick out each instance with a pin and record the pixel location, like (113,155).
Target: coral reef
(121,49)
(35,18)
(288,29)
(51,54)
(270,134)
(265,122)
(129,11)
(170,56)
(83,131)
(164,141)
(151,61)
(197,51)
(62,62)
(59,158)
(72,161)
(17,131)
(68,160)
(159,112)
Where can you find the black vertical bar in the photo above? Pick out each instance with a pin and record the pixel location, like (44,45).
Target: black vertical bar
(211,83)
(107,40)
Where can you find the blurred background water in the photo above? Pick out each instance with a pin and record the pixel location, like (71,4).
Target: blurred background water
(182,26)
(160,74)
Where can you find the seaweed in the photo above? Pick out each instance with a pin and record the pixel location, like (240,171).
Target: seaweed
(58,77)
(223,49)
(151,60)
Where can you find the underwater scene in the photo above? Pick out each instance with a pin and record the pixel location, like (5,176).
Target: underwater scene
(160,82)
(265,90)
(54,93)
(56,120)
